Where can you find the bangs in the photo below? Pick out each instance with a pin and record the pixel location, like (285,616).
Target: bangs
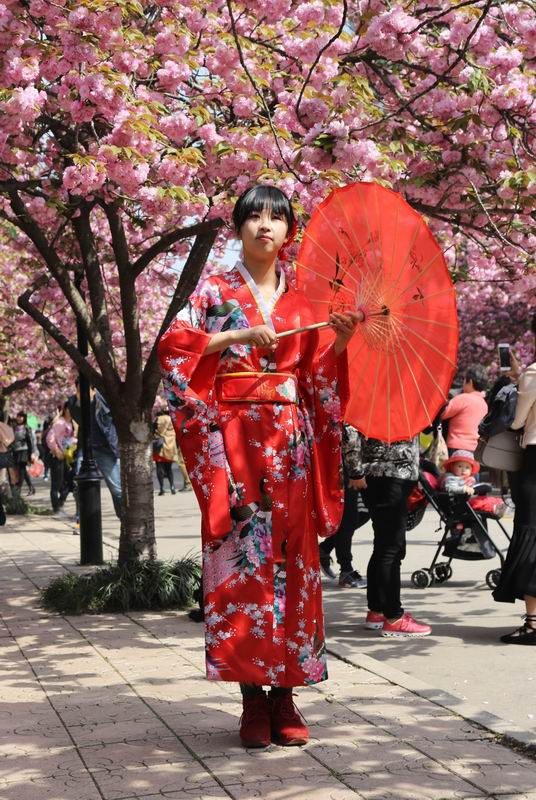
(260,198)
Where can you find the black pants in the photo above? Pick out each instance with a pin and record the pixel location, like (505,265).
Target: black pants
(342,540)
(164,469)
(386,501)
(23,474)
(57,483)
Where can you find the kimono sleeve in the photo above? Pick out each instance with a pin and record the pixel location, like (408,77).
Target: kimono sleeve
(188,376)
(324,392)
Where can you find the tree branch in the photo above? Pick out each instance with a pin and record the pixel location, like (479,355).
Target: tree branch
(24,302)
(187,282)
(168,239)
(22,383)
(319,56)
(97,298)
(29,226)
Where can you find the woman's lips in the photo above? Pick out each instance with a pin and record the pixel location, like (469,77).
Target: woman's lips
(266,238)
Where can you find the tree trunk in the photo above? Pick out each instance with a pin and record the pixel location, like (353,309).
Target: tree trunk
(137,524)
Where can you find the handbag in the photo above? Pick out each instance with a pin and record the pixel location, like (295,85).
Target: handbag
(503,451)
(7,460)
(158,445)
(438,452)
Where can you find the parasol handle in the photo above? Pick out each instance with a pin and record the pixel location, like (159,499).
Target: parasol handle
(383,313)
(305,328)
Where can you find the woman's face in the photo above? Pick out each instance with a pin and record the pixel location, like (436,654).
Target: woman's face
(263,233)
(67,414)
(20,419)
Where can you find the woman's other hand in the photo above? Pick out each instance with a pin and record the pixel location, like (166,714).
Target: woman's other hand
(344,326)
(357,483)
(259,336)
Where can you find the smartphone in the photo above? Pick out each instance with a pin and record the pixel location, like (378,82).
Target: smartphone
(505,364)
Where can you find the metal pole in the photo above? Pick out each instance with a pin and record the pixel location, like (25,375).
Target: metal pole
(88,479)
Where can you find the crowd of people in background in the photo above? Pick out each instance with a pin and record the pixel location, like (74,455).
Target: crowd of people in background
(53,451)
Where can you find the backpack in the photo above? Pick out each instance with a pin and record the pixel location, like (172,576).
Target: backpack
(501,413)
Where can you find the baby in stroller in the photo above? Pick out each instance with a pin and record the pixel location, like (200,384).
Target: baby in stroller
(464,507)
(460,470)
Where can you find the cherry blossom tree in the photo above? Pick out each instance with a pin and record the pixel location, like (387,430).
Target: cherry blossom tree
(34,371)
(127,128)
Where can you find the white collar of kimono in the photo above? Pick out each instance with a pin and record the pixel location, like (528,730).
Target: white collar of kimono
(264,307)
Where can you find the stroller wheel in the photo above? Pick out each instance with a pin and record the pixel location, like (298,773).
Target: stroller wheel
(493,577)
(442,572)
(421,578)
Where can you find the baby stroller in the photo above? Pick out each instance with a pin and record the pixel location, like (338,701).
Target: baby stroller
(464,524)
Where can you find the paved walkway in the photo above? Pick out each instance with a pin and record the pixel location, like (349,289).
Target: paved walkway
(117,708)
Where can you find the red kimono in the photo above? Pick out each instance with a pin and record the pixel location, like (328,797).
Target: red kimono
(260,435)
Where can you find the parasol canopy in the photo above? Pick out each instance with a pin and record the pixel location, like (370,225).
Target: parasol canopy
(366,249)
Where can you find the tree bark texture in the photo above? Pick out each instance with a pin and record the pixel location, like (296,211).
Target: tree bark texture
(137,525)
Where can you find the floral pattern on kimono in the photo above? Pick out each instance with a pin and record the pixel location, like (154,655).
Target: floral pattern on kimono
(267,476)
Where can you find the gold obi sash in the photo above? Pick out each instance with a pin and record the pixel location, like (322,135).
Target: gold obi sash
(257,387)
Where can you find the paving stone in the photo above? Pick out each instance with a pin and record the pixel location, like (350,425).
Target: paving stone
(301,788)
(406,775)
(206,793)
(43,764)
(120,731)
(250,766)
(119,783)
(487,764)
(61,788)
(135,754)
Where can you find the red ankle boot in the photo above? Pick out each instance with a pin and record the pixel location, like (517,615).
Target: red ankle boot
(288,726)
(255,721)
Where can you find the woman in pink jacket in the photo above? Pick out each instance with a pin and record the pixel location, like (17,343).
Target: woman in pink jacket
(466,410)
(60,435)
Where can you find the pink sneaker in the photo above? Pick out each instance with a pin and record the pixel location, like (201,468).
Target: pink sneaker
(374,621)
(405,626)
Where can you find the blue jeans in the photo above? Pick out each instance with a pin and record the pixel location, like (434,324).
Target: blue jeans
(110,466)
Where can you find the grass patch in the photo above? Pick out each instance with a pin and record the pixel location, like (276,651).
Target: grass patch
(138,585)
(15,504)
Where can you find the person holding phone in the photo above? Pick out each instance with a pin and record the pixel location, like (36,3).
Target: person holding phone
(518,576)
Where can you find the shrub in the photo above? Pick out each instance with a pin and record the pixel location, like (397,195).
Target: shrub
(136,585)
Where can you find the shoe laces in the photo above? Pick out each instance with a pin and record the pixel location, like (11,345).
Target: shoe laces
(530,622)
(287,709)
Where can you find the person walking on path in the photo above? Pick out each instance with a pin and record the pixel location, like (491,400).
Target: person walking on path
(24,451)
(258,421)
(7,437)
(105,446)
(60,436)
(386,474)
(466,410)
(355,514)
(166,453)
(518,575)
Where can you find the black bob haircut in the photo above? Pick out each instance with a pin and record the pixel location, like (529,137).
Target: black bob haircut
(256,199)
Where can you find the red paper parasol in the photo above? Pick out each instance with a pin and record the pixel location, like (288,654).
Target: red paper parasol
(366,249)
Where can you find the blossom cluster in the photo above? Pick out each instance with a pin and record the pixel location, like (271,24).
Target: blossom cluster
(167,110)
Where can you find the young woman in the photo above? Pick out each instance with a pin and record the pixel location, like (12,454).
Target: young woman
(166,452)
(518,576)
(258,424)
(24,451)
(60,435)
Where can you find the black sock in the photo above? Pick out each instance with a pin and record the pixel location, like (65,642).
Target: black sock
(280,691)
(250,690)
